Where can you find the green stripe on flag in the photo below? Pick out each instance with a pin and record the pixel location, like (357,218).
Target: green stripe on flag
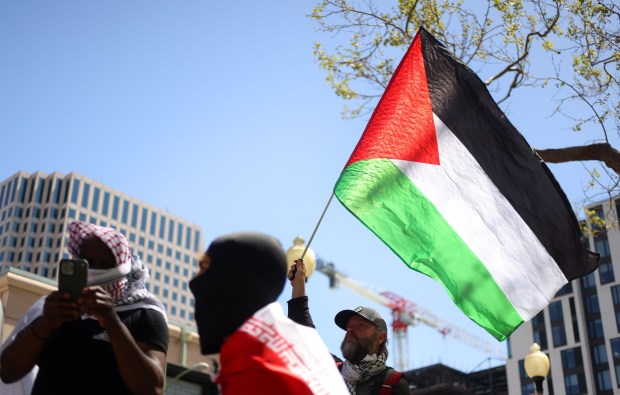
(384,199)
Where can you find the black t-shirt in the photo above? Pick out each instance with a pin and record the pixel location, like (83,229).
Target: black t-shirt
(78,357)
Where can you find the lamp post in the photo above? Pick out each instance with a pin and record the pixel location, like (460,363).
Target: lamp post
(537,366)
(294,253)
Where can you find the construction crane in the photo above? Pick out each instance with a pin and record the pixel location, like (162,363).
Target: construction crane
(405,313)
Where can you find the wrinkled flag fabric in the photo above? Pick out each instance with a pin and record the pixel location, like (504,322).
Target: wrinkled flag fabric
(444,179)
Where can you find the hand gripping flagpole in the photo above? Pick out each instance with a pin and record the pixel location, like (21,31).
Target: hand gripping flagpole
(317,226)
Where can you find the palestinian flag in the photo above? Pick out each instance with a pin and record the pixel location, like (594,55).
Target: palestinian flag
(446,181)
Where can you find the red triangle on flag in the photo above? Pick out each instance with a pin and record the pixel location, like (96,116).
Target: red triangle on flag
(402,126)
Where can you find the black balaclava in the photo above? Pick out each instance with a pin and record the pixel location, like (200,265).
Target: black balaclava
(247,272)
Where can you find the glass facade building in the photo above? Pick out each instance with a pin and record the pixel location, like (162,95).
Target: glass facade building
(580,328)
(35,210)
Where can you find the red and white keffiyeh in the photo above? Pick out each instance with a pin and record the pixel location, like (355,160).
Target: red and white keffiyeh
(126,282)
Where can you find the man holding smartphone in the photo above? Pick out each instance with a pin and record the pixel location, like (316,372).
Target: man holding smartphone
(112,340)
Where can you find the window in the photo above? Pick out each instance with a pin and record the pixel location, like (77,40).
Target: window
(39,194)
(574,384)
(615,348)
(558,334)
(85,195)
(76,189)
(106,203)
(598,214)
(8,188)
(153,224)
(571,358)
(603,380)
(96,193)
(606,273)
(602,247)
(540,337)
(591,304)
(179,234)
(188,237)
(134,216)
(196,240)
(599,354)
(573,315)
(115,204)
(588,281)
(57,188)
(615,294)
(125,211)
(145,213)
(170,230)
(595,329)
(555,311)
(162,226)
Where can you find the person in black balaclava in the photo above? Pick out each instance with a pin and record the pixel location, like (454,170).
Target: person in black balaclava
(261,351)
(240,273)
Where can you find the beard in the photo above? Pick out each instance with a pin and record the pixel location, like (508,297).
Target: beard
(355,349)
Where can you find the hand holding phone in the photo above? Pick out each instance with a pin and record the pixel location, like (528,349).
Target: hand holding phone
(72,276)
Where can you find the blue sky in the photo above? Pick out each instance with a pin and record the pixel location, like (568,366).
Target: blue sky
(217,112)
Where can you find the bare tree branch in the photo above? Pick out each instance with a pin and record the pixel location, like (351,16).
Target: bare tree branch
(600,152)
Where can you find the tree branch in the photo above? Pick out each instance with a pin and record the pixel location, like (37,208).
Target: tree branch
(601,152)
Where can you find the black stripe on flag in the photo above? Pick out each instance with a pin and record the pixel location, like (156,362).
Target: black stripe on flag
(461,100)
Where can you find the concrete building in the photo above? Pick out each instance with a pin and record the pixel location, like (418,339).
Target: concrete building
(580,329)
(439,379)
(35,210)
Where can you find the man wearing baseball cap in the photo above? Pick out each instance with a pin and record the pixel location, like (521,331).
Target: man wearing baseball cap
(364,346)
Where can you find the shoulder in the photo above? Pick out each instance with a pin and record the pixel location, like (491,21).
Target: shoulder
(397,381)
(147,325)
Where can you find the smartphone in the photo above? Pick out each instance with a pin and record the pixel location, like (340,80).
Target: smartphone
(72,276)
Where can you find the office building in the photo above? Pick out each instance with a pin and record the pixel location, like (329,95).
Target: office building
(443,380)
(580,329)
(35,210)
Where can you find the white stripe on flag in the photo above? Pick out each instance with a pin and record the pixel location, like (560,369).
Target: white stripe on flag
(468,200)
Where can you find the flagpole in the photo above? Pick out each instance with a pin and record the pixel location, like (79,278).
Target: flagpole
(317,226)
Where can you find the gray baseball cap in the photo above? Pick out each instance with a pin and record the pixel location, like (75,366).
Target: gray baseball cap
(371,315)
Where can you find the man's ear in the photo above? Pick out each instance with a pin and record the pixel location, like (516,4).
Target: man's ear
(382,337)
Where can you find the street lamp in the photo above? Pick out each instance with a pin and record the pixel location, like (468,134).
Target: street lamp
(294,253)
(537,366)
